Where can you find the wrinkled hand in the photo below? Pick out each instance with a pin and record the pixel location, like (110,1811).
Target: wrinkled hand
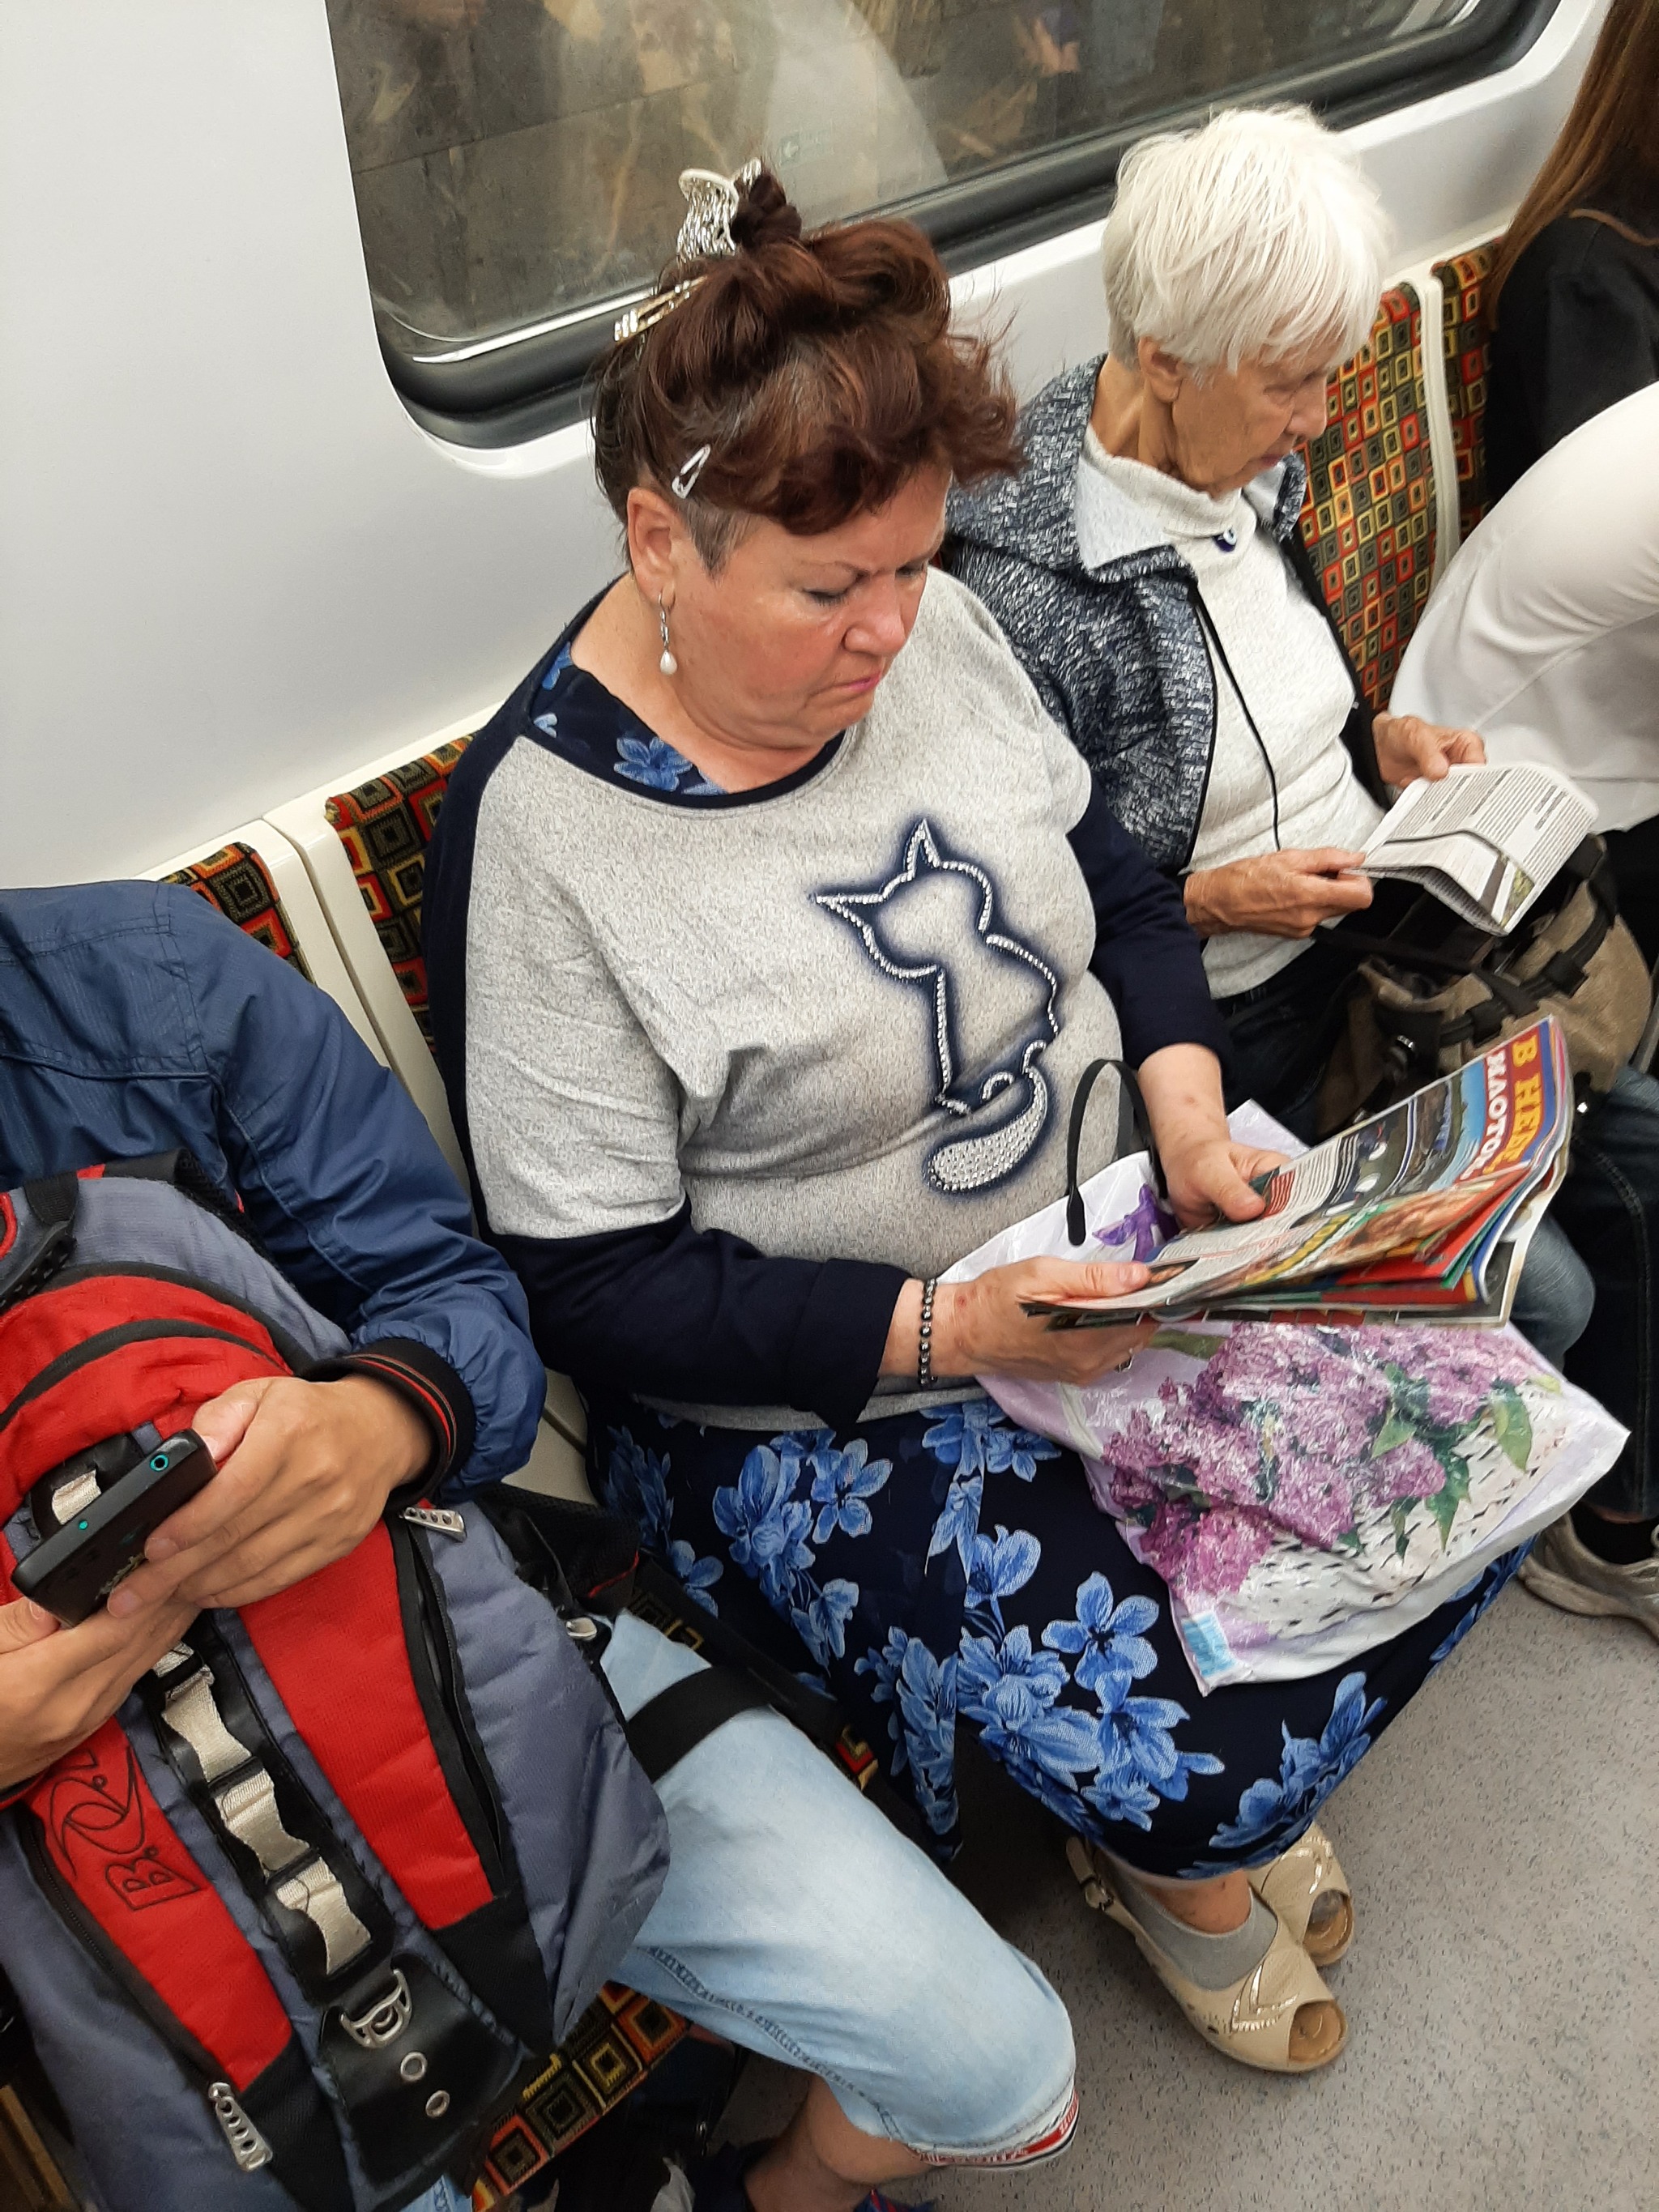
(1210,1179)
(1407,747)
(305,1470)
(1278,894)
(980,1328)
(58,1684)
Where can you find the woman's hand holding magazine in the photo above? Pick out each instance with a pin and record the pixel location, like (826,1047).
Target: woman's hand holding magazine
(1404,1213)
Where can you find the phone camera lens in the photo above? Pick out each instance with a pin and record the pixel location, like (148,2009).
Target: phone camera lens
(160,1463)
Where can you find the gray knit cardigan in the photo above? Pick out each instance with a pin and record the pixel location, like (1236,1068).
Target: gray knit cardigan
(1117,651)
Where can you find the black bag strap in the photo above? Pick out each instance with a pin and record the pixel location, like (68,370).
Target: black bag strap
(1521,999)
(1076,1221)
(558,1543)
(677,1720)
(1207,623)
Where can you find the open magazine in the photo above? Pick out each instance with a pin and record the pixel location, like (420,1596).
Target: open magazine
(1306,1488)
(1485,840)
(1422,1212)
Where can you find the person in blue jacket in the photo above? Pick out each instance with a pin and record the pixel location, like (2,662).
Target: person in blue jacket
(135,1020)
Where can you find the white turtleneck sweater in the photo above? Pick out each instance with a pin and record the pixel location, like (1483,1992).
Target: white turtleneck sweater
(1289,670)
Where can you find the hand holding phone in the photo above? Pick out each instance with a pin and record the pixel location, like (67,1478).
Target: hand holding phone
(76,1567)
(58,1684)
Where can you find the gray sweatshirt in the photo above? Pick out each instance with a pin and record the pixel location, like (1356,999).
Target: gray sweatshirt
(843,1018)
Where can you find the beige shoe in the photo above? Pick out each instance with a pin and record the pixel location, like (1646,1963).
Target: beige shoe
(1280,2016)
(1563,1571)
(1307,1888)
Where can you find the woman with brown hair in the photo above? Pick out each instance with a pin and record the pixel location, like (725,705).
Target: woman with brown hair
(771,925)
(1572,304)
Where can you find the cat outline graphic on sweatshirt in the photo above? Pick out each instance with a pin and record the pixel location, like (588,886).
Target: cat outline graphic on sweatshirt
(971,1072)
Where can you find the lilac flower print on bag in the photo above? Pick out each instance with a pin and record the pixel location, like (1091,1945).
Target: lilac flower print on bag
(1291,1483)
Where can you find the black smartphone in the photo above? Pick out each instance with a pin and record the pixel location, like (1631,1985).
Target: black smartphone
(75,1570)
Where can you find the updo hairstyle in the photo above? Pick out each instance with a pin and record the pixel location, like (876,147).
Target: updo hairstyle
(818,366)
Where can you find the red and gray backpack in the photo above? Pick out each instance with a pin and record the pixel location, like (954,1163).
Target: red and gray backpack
(289,1928)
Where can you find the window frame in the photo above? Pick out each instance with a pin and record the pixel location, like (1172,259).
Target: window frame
(499,391)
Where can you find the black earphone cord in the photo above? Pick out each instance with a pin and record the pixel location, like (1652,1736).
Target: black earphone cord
(1207,622)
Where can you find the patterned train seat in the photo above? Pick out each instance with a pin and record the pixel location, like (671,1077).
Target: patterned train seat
(1463,335)
(385,826)
(1368,517)
(235,880)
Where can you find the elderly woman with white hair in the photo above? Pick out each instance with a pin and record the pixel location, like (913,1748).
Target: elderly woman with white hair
(1147,569)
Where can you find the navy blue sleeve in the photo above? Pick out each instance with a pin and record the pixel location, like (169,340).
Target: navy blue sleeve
(667,1312)
(702,1316)
(1146,952)
(345,1186)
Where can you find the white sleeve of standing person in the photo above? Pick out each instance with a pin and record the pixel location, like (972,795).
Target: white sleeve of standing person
(1543,633)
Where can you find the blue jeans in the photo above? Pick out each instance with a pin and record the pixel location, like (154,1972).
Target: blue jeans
(1607,1207)
(797,1921)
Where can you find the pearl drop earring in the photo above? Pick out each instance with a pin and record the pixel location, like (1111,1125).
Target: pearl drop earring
(668,664)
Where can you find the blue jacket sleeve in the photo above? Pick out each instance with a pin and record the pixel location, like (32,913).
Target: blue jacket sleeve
(346,1187)
(1146,952)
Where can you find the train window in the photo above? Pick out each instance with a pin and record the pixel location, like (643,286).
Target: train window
(515,160)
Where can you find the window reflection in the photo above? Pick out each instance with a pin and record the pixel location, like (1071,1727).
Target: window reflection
(516,161)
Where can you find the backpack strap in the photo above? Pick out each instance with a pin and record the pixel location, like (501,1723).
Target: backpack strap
(677,1720)
(103,1851)
(362,1657)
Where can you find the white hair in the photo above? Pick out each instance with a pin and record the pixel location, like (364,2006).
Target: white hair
(1258,235)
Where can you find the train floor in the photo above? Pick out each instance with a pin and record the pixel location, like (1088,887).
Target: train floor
(1502,1991)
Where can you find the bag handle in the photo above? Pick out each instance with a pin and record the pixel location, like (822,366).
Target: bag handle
(1075,1220)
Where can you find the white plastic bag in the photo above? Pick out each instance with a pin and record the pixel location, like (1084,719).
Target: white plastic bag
(1305,1491)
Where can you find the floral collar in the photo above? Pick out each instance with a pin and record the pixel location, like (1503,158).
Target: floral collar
(576,716)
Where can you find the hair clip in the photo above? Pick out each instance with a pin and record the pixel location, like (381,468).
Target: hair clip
(685,483)
(711,201)
(644,314)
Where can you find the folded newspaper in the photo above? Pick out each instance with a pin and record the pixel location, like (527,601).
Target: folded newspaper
(1423,1212)
(1485,840)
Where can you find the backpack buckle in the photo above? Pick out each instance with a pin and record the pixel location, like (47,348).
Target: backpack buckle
(439,1518)
(384,2019)
(247,2146)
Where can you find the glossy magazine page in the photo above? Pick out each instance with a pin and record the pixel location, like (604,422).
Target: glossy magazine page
(1404,1210)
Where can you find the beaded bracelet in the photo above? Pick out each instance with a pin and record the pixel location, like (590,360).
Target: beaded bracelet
(925,1336)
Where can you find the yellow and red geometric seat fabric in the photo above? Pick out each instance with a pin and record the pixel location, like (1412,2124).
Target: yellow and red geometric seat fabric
(1463,336)
(1368,519)
(236,881)
(385,826)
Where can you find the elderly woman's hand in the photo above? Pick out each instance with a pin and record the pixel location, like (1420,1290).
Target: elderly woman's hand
(1278,894)
(1210,1179)
(1207,1174)
(1407,747)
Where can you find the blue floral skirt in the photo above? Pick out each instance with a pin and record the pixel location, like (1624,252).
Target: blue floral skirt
(949,1569)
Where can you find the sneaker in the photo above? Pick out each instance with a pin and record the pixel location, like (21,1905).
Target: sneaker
(1564,1571)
